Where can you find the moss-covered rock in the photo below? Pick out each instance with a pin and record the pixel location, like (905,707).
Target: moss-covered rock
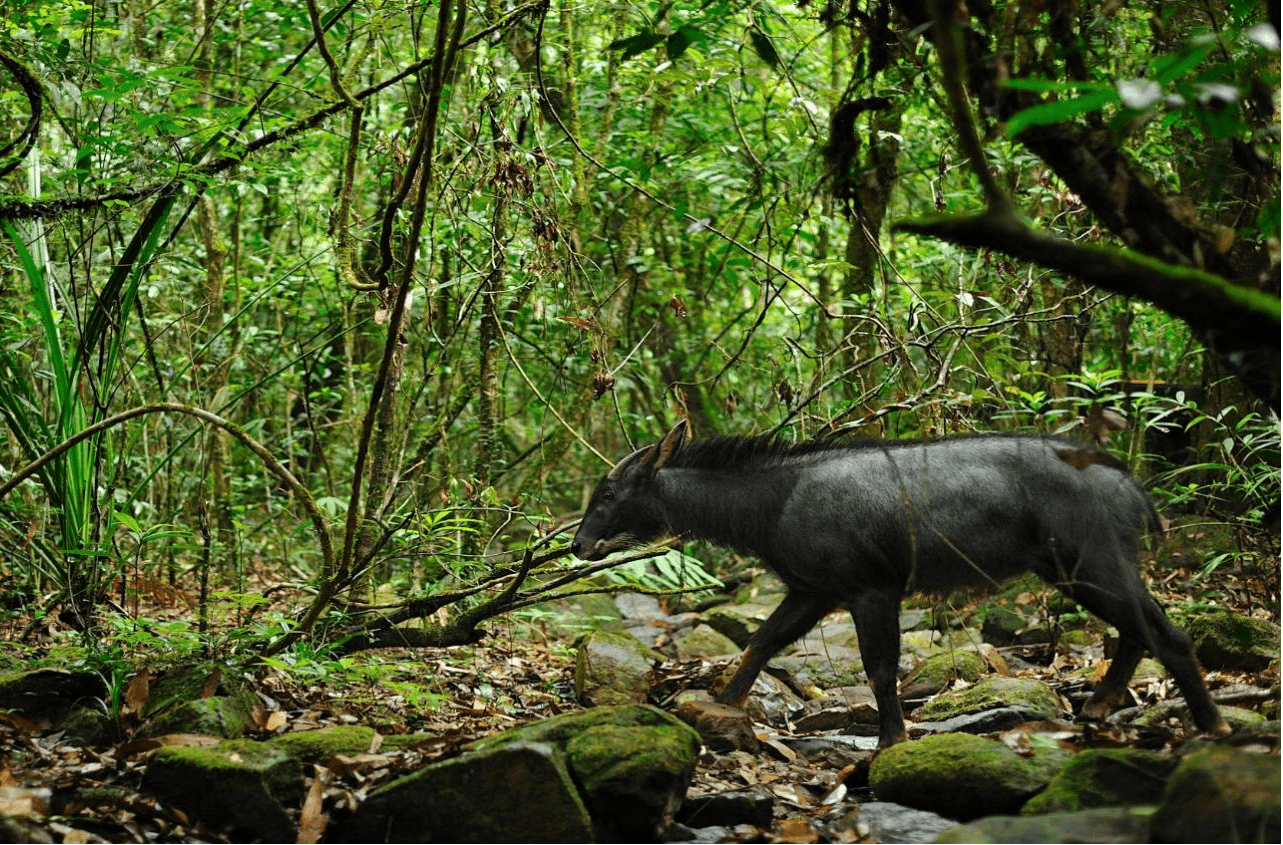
(515,792)
(939,670)
(1226,640)
(48,692)
(239,785)
(632,763)
(1104,777)
(1221,795)
(205,698)
(956,775)
(1112,824)
(993,692)
(320,745)
(703,642)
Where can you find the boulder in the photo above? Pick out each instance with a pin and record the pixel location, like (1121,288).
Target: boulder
(1226,640)
(1028,696)
(240,786)
(956,775)
(517,792)
(613,668)
(840,708)
(320,745)
(632,764)
(720,726)
(704,642)
(1103,825)
(1220,794)
(204,698)
(939,670)
(48,692)
(1104,777)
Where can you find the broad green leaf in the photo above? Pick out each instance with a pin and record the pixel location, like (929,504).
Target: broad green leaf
(1047,113)
(1054,85)
(1175,65)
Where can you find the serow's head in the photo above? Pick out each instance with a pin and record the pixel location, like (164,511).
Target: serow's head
(625,510)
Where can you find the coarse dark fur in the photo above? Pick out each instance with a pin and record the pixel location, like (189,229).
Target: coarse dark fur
(858,526)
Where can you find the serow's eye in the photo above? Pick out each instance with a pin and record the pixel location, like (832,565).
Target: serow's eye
(608,494)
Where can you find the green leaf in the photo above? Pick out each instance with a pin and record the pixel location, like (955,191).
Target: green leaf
(764,48)
(1176,65)
(637,44)
(1054,85)
(1060,110)
(127,521)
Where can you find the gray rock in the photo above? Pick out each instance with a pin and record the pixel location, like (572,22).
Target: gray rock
(841,708)
(1221,794)
(981,722)
(1103,825)
(613,668)
(956,775)
(639,606)
(882,821)
(725,809)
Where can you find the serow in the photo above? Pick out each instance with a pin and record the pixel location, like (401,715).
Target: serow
(858,526)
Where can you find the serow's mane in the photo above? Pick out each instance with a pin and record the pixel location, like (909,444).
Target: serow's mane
(739,453)
(748,453)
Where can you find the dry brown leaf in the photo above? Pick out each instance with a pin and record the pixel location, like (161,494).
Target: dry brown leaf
(796,830)
(210,686)
(312,821)
(22,723)
(24,801)
(138,746)
(136,694)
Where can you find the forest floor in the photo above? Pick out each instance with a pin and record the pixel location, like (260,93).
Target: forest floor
(523,671)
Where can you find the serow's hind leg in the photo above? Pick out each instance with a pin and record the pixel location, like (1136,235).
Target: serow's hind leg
(1141,622)
(1110,689)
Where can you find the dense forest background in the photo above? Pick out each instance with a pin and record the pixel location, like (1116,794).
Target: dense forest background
(317,320)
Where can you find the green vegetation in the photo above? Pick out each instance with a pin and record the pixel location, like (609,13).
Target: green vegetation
(317,324)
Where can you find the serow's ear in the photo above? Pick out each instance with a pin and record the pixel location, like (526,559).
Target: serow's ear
(669,446)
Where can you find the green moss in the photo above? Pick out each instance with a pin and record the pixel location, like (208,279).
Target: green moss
(956,775)
(993,692)
(1105,777)
(320,745)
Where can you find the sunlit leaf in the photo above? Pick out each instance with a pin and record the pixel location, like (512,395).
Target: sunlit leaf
(1060,110)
